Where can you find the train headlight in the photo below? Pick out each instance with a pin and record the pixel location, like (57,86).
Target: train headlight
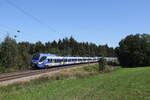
(40,63)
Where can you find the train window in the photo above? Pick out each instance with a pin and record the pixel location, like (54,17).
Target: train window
(59,60)
(69,60)
(55,60)
(50,60)
(65,60)
(36,57)
(42,59)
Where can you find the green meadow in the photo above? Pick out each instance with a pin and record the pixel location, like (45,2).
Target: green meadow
(120,84)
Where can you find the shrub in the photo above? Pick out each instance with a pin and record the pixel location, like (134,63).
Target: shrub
(102,64)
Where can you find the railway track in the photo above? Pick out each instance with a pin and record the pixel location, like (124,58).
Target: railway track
(16,75)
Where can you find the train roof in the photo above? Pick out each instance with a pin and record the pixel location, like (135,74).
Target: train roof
(64,57)
(47,54)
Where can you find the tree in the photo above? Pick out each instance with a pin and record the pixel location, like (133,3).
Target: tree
(24,54)
(134,50)
(9,53)
(103,50)
(39,47)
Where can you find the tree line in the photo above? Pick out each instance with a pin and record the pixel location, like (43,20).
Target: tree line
(133,51)
(18,55)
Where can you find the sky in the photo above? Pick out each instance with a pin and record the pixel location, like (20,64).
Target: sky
(97,21)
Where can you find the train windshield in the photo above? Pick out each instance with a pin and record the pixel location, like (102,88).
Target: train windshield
(36,57)
(43,58)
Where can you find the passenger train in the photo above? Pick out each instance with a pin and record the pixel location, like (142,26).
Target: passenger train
(41,60)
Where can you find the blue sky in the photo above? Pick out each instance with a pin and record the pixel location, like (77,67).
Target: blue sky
(97,21)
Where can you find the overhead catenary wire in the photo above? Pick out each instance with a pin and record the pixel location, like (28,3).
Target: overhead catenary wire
(31,16)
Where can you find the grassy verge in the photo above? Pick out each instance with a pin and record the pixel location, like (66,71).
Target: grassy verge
(122,84)
(11,69)
(3,70)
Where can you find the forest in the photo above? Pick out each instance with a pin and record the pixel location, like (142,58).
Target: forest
(17,55)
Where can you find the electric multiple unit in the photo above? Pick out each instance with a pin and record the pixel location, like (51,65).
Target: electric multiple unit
(49,60)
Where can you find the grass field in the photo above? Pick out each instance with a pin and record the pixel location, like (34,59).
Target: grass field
(121,84)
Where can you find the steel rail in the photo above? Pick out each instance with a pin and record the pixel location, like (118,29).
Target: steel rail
(16,75)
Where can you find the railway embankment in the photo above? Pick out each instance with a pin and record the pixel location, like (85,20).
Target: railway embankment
(59,72)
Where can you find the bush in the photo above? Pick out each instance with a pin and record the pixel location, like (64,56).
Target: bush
(102,64)
(113,63)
